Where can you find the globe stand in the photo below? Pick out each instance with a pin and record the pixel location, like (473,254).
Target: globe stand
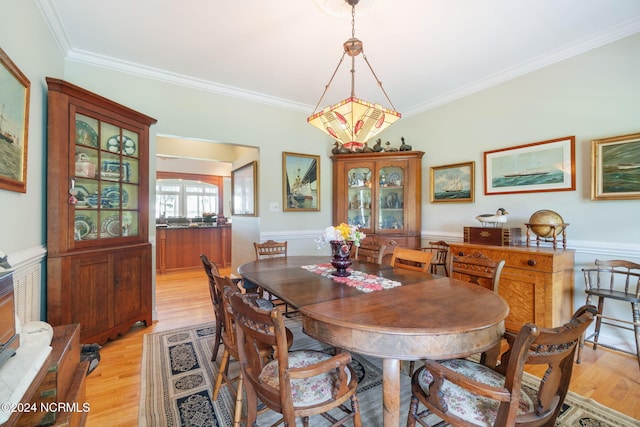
(555,230)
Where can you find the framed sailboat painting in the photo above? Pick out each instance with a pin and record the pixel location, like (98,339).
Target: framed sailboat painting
(300,182)
(453,183)
(531,168)
(14,125)
(615,168)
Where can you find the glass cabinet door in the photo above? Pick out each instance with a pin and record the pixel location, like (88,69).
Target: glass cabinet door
(105,190)
(391,180)
(359,197)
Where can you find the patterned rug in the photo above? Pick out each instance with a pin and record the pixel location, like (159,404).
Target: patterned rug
(177,379)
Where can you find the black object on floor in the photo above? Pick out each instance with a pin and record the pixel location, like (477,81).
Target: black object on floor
(91,353)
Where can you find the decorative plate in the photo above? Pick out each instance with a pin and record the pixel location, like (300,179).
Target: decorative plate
(82,194)
(111,226)
(128,146)
(394,179)
(85,134)
(83,225)
(110,197)
(115,143)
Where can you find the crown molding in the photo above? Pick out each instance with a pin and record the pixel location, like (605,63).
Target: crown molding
(54,23)
(621,31)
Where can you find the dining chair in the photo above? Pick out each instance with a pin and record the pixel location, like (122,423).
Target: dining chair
(211,269)
(369,251)
(296,384)
(271,249)
(477,268)
(462,392)
(411,259)
(616,280)
(440,251)
(225,287)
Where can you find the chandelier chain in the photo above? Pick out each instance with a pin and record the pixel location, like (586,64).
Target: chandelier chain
(353,20)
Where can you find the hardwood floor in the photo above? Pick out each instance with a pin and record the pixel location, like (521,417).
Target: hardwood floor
(182,299)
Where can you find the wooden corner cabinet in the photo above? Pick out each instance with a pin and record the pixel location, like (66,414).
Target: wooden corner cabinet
(380,192)
(536,282)
(99,257)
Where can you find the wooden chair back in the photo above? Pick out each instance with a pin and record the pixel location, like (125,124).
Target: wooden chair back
(270,249)
(211,269)
(618,280)
(224,285)
(369,251)
(478,269)
(554,348)
(440,251)
(262,337)
(411,259)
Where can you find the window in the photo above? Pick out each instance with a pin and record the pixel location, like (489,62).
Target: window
(178,198)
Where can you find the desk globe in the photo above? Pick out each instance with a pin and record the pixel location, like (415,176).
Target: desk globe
(547,225)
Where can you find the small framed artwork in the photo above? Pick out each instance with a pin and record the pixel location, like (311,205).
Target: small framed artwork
(531,168)
(14,125)
(244,190)
(615,168)
(300,182)
(453,183)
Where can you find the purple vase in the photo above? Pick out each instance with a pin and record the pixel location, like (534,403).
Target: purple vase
(341,251)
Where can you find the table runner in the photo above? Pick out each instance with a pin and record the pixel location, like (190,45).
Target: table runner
(360,280)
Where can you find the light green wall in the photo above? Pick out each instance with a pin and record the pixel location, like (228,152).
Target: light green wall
(25,38)
(593,95)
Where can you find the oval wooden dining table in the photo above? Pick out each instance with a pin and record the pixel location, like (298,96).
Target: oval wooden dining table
(427,317)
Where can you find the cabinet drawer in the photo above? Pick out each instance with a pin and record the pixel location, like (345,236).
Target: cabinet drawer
(392,242)
(544,262)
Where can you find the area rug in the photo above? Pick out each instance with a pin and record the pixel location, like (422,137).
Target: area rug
(178,377)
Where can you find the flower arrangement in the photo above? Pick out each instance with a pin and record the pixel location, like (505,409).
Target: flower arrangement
(342,232)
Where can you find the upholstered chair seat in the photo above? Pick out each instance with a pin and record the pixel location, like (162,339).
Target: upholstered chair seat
(475,409)
(305,391)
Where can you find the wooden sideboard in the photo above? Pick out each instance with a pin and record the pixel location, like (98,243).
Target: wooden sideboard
(537,283)
(180,247)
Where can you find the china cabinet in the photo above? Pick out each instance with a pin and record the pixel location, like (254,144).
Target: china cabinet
(380,192)
(537,283)
(99,258)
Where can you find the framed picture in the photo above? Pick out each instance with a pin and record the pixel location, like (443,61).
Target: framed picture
(453,183)
(300,182)
(531,168)
(14,125)
(244,190)
(615,168)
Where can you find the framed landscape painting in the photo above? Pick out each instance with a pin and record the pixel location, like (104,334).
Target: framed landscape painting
(14,125)
(453,183)
(615,168)
(300,182)
(531,168)
(244,190)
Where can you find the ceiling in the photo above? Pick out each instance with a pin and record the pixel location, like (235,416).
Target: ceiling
(283,52)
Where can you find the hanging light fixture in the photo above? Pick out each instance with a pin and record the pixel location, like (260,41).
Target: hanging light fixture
(353,121)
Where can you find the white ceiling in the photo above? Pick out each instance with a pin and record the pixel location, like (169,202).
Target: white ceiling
(425,52)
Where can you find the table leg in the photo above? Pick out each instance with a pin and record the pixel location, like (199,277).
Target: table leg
(391,392)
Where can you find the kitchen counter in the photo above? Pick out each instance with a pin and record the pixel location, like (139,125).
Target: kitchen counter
(179,246)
